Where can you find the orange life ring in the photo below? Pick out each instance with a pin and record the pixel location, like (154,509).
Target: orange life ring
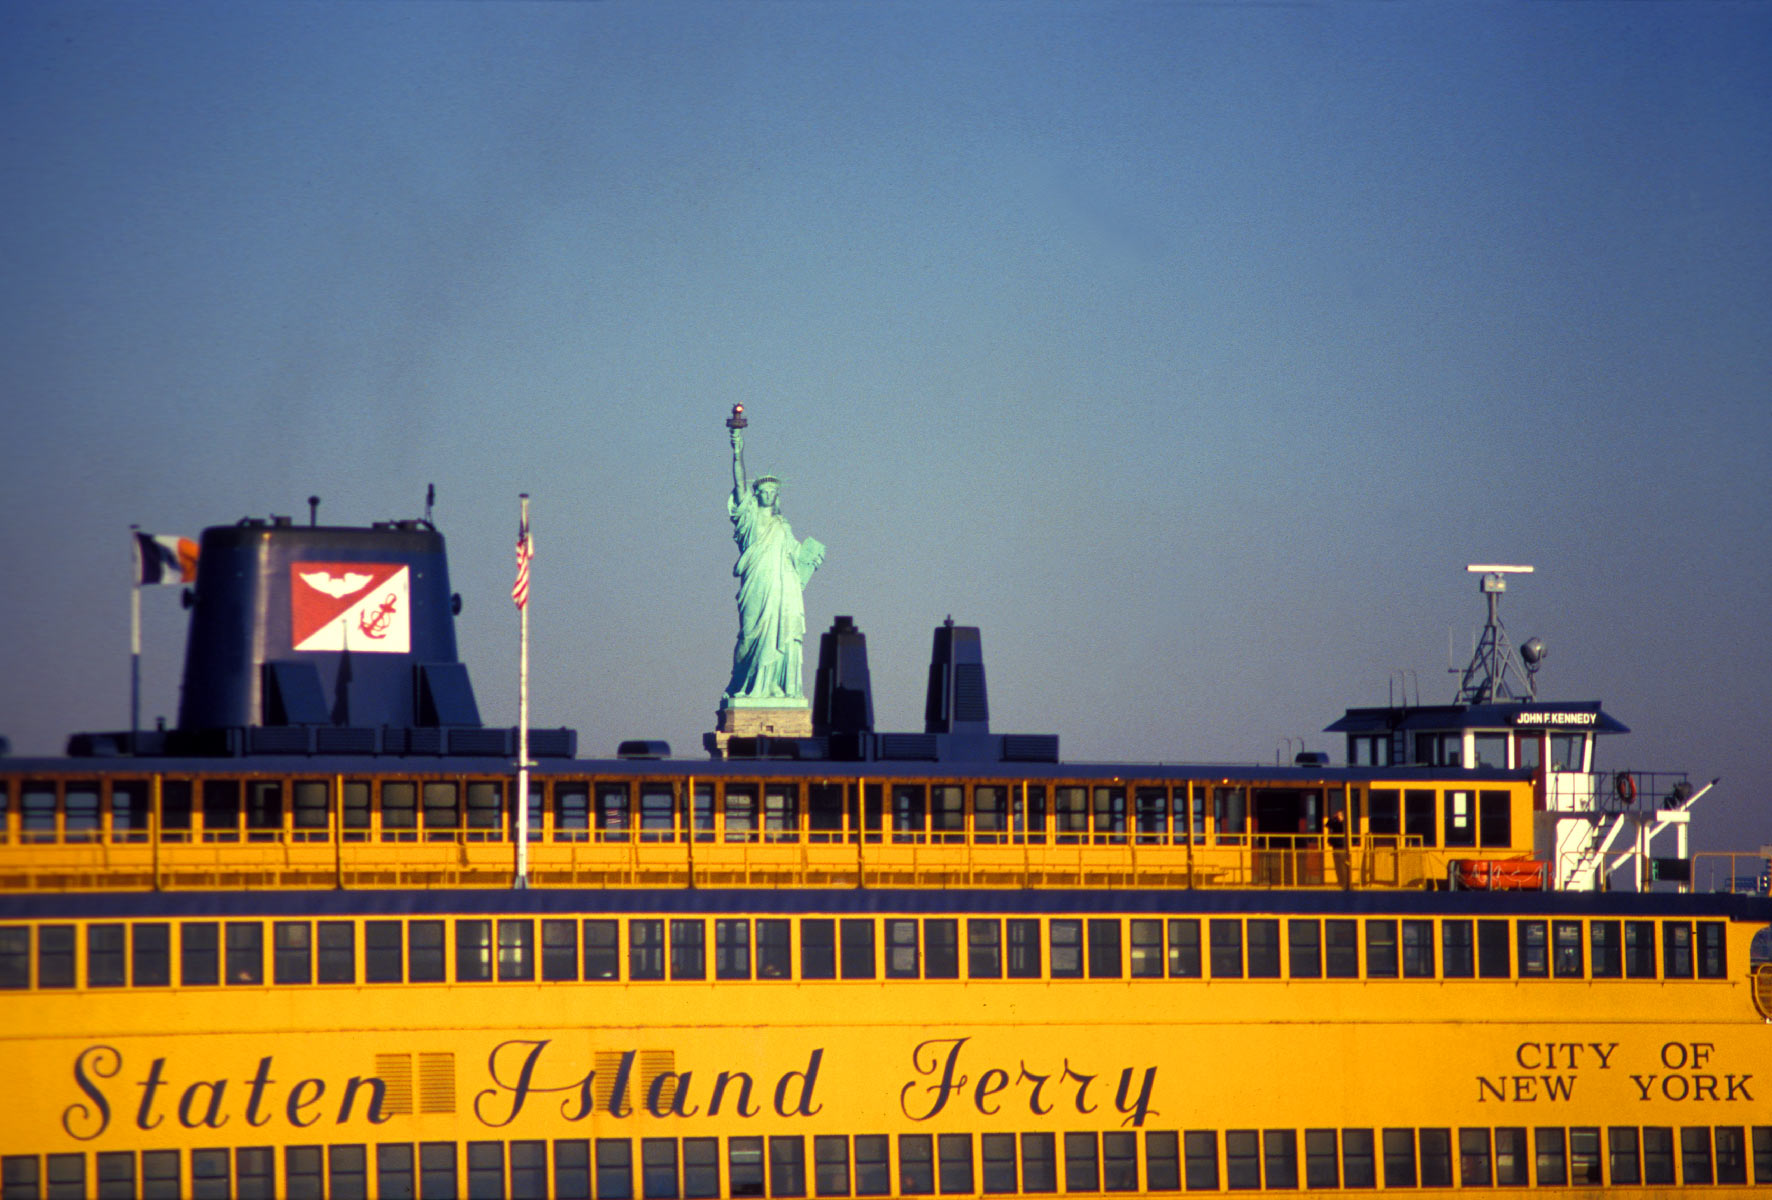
(1625,785)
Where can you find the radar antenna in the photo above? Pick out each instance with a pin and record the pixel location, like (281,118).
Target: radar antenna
(1485,680)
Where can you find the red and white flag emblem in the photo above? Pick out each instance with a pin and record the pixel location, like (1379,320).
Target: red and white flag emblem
(351,606)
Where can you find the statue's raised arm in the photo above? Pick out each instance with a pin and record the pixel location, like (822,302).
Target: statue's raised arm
(738,487)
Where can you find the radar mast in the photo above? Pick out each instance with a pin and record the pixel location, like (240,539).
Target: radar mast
(1486,679)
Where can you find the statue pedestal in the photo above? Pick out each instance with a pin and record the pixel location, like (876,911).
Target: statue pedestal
(774,718)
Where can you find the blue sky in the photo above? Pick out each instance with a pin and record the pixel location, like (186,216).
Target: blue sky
(1190,350)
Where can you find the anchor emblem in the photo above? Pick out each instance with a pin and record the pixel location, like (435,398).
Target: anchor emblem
(374,622)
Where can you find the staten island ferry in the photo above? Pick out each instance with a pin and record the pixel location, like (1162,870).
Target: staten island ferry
(311,942)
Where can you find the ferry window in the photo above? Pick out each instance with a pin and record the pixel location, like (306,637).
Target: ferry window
(701,1167)
(1304,949)
(303,1170)
(732,949)
(1623,1165)
(473,951)
(1584,1157)
(858,948)
(658,1167)
(740,812)
(1104,948)
(901,950)
(1024,948)
(1528,749)
(1436,1158)
(1566,949)
(702,812)
(873,1173)
(424,952)
(353,810)
(255,1173)
(1227,948)
(612,813)
(572,812)
(1184,948)
(830,1165)
(775,956)
(658,812)
(1676,950)
(150,954)
(393,1170)
(1039,1163)
(1242,1159)
(1359,1161)
(1264,948)
(916,1164)
(990,813)
(442,811)
(347,1170)
(1490,749)
(1082,1168)
(1162,1161)
(1198,826)
(175,810)
(1473,1159)
(384,952)
(65,1176)
(1763,1153)
(1200,1151)
(1565,749)
(1341,949)
(1399,1158)
(516,950)
(1230,812)
(689,949)
(787,1166)
(1713,960)
(436,1168)
(1110,815)
(264,810)
(1279,1154)
(310,808)
(1461,819)
(1418,949)
(1553,1166)
(998,1153)
(1147,961)
(1603,949)
(292,952)
(873,812)
(1070,815)
(55,956)
(1455,948)
(1067,949)
(486,802)
(15,956)
(129,811)
(1495,825)
(80,819)
(221,810)
(1383,819)
(104,956)
(37,812)
(941,948)
(1381,949)
(336,945)
(1439,749)
(1639,949)
(1494,960)
(1418,817)
(1731,1154)
(572,1168)
(559,949)
(955,1151)
(1119,1162)
(947,813)
(908,816)
(824,814)
(645,949)
(615,1168)
(1151,813)
(1322,1166)
(116,1173)
(984,949)
(1658,1155)
(1033,801)
(399,810)
(818,948)
(245,952)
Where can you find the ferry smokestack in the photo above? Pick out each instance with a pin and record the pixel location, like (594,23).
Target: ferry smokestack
(957,700)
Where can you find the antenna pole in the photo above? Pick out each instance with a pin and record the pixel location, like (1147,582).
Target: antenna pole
(135,636)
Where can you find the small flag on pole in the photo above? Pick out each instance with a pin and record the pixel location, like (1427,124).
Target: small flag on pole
(525,550)
(164,560)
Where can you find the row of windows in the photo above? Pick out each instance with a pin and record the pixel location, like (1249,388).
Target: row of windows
(921,1164)
(521,949)
(234,810)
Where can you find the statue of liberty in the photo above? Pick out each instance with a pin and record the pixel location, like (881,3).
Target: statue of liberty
(772,570)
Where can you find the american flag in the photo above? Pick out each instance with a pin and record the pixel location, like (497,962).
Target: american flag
(525,551)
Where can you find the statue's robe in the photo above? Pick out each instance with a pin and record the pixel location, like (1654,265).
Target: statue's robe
(771,610)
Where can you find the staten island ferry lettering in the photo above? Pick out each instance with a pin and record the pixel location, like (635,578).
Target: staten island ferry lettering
(333,934)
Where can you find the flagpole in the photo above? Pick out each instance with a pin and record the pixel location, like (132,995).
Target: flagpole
(523,708)
(135,635)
